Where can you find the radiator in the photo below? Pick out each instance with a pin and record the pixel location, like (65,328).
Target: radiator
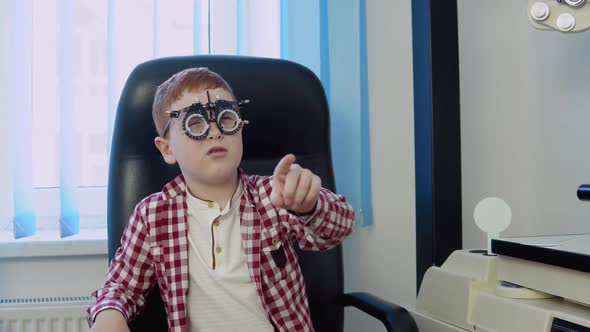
(56,314)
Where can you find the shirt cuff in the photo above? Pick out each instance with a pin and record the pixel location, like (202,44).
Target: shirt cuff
(96,310)
(307,216)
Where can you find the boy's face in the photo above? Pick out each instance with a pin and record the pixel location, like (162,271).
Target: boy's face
(212,160)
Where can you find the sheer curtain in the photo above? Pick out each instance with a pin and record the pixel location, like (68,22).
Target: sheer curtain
(64,63)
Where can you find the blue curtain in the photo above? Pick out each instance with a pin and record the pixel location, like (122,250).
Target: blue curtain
(69,216)
(329,37)
(17,164)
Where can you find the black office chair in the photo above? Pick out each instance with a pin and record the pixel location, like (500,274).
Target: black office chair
(288,113)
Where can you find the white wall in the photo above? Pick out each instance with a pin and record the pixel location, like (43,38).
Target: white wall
(524,119)
(31,277)
(381,258)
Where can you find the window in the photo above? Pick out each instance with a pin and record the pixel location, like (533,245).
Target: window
(78,55)
(64,64)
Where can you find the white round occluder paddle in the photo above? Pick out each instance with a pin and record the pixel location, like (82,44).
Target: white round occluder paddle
(492,215)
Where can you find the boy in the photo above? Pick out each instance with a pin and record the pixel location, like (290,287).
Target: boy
(217,241)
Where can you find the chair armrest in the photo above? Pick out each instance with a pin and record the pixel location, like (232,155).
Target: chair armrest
(394,317)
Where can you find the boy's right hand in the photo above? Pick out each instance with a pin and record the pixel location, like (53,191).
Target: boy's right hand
(294,188)
(110,320)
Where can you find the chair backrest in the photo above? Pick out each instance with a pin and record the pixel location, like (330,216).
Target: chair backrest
(288,113)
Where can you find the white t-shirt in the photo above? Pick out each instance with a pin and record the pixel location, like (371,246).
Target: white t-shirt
(221,295)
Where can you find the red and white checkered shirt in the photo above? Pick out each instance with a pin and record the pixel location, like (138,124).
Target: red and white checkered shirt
(154,248)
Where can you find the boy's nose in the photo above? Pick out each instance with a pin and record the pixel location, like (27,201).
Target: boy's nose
(214,132)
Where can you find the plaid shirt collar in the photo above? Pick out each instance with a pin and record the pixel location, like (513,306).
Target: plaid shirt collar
(178,187)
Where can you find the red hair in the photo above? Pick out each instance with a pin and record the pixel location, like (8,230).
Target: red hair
(192,79)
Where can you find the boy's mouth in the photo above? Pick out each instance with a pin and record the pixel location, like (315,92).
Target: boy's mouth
(216,150)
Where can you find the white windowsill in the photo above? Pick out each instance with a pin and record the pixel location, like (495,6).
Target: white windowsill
(86,243)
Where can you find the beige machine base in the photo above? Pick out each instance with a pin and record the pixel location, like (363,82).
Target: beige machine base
(426,324)
(465,295)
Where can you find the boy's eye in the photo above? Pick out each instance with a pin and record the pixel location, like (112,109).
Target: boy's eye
(229,120)
(197,125)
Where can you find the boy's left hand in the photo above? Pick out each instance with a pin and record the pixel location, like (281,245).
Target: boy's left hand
(294,188)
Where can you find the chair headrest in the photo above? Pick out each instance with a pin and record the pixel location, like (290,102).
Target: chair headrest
(288,110)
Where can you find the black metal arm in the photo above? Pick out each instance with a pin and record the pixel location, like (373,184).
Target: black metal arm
(394,317)
(584,192)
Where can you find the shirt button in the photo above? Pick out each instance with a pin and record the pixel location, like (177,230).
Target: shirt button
(216,222)
(275,241)
(210,204)
(218,249)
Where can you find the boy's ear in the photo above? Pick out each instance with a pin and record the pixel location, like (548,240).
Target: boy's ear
(164,146)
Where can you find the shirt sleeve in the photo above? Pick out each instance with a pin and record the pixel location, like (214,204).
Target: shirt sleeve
(130,275)
(330,223)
